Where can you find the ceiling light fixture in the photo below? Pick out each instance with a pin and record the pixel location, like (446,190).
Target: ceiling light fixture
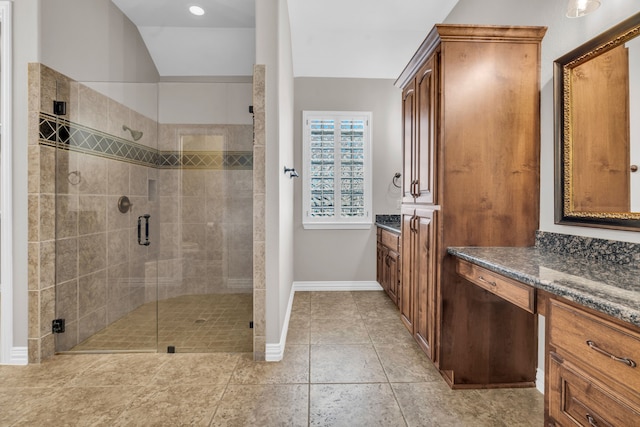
(578,8)
(196,10)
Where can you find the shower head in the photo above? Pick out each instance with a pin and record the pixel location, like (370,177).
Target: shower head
(135,134)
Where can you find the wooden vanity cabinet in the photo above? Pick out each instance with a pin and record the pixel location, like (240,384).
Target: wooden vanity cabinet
(471,107)
(417,310)
(419,105)
(593,377)
(388,263)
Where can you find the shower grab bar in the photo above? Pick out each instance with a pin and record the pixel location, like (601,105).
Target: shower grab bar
(146,230)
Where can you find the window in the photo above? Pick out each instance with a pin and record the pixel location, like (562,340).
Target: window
(337,169)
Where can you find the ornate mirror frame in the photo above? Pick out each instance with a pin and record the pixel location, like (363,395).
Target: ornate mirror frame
(565,213)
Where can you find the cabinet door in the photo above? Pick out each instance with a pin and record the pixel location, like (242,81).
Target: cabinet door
(424,314)
(393,268)
(424,146)
(405,295)
(408,142)
(380,260)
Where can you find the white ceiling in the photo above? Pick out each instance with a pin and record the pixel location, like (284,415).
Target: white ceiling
(330,38)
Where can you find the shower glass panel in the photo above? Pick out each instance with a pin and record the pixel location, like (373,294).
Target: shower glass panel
(205,265)
(104,139)
(153,200)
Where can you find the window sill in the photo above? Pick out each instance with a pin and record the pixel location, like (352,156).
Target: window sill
(337,226)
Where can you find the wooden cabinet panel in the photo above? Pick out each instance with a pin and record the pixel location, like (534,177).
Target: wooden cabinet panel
(388,263)
(611,351)
(515,292)
(390,240)
(393,278)
(576,399)
(408,141)
(409,265)
(425,308)
(471,142)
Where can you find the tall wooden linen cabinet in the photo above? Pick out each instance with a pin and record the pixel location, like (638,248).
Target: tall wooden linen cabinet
(471,143)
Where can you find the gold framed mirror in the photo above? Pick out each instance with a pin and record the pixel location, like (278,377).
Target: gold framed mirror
(597,130)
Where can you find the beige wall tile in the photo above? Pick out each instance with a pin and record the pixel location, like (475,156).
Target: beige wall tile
(33,166)
(67,215)
(33,204)
(47,309)
(92,253)
(47,264)
(92,293)
(66,259)
(34,314)
(118,246)
(47,169)
(93,172)
(92,109)
(33,70)
(92,323)
(118,115)
(66,300)
(118,178)
(92,214)
(47,217)
(34,265)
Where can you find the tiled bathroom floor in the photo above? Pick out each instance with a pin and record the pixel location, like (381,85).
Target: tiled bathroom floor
(191,323)
(348,362)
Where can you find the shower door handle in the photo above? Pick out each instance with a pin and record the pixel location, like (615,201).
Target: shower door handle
(146,241)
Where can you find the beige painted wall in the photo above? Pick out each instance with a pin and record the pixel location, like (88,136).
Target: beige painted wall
(93,41)
(349,254)
(273,49)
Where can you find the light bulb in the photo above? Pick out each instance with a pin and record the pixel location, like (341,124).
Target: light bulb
(196,10)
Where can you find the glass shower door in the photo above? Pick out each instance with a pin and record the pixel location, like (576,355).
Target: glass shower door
(104,137)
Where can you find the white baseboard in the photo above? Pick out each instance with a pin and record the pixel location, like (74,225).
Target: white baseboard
(540,380)
(275,352)
(337,286)
(19,356)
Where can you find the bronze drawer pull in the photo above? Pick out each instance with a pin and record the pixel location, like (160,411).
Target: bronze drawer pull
(482,279)
(624,360)
(592,421)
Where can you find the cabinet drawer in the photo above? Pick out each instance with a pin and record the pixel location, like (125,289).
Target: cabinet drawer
(574,398)
(390,240)
(612,350)
(515,292)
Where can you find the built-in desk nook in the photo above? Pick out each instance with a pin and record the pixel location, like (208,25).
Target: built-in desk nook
(591,302)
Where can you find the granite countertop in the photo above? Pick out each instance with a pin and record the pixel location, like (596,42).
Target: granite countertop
(389,222)
(610,288)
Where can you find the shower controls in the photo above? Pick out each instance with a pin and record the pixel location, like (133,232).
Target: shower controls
(124,204)
(146,241)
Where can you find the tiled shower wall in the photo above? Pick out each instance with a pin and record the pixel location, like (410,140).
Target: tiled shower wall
(89,263)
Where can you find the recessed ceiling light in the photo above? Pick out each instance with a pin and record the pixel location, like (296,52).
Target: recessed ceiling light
(196,10)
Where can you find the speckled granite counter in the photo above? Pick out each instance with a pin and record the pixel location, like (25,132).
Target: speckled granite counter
(389,222)
(610,288)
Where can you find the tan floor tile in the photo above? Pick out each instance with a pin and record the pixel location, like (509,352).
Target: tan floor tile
(196,369)
(507,406)
(172,406)
(388,331)
(293,369)
(334,310)
(298,336)
(120,370)
(338,331)
(406,363)
(353,405)
(55,371)
(263,405)
(345,364)
(79,406)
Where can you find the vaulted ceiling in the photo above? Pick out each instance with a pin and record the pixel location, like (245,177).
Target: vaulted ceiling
(330,38)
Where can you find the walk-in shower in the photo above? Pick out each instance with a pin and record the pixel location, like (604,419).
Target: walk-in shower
(173,270)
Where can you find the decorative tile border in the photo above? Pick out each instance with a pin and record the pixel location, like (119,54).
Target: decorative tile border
(612,251)
(63,134)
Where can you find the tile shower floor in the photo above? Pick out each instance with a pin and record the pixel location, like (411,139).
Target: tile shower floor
(190,323)
(348,362)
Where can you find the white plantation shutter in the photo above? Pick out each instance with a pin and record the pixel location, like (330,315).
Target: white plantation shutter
(337,175)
